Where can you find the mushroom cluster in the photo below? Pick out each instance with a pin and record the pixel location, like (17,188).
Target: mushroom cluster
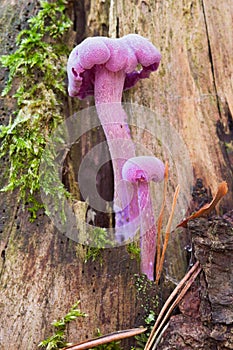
(104,67)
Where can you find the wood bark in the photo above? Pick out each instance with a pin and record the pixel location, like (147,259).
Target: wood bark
(206,318)
(42,273)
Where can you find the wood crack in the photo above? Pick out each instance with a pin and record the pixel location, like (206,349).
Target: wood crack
(220,129)
(211,58)
(5,242)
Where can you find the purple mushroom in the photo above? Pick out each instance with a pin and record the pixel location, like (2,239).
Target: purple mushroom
(140,171)
(104,67)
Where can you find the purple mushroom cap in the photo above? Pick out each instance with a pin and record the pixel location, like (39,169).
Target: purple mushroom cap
(143,168)
(123,54)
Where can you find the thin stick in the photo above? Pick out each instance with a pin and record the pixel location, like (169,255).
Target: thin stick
(169,300)
(160,336)
(88,344)
(160,218)
(176,302)
(167,234)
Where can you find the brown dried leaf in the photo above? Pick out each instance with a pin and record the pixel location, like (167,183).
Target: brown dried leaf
(207,208)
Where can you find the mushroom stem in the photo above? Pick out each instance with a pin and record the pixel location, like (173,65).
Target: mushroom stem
(108,85)
(147,230)
(108,89)
(140,171)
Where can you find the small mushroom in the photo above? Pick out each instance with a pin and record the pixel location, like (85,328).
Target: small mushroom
(104,67)
(140,171)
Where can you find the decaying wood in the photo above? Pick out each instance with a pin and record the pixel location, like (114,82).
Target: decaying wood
(41,272)
(213,247)
(206,319)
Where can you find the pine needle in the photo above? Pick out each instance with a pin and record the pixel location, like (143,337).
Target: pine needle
(88,344)
(167,234)
(170,303)
(160,218)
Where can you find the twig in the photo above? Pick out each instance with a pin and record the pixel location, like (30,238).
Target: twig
(167,234)
(176,302)
(160,336)
(88,344)
(182,287)
(160,218)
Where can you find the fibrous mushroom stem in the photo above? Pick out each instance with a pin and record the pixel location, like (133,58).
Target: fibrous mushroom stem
(108,89)
(147,230)
(108,85)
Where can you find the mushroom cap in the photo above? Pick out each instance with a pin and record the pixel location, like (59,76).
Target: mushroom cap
(143,169)
(116,54)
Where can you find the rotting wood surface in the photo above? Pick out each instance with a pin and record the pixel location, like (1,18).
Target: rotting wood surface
(206,319)
(40,274)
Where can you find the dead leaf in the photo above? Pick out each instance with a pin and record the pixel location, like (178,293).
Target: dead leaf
(207,208)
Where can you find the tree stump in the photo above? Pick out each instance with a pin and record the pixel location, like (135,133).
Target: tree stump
(42,273)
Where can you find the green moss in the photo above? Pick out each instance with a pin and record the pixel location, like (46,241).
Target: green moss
(38,68)
(142,338)
(99,241)
(58,339)
(229,146)
(134,251)
(147,296)
(146,293)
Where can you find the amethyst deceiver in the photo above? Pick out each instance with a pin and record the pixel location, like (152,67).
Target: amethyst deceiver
(140,171)
(104,67)
(119,56)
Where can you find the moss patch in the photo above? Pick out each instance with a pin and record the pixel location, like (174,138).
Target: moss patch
(37,68)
